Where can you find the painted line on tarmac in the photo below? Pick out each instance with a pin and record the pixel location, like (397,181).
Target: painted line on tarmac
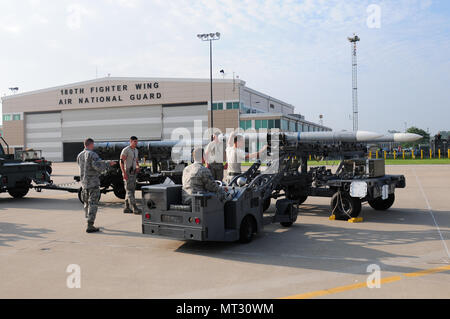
(430,210)
(325,292)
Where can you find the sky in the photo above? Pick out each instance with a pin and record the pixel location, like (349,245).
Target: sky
(296,51)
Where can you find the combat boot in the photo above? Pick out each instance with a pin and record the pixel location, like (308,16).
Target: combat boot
(127,209)
(136,210)
(91,228)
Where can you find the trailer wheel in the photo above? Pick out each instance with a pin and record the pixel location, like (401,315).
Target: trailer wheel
(266,204)
(18,192)
(302,199)
(292,213)
(80,195)
(344,206)
(293,194)
(119,191)
(247,229)
(380,204)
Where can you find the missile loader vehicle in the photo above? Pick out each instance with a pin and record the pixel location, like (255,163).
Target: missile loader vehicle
(286,179)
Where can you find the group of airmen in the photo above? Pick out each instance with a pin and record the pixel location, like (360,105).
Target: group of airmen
(196,177)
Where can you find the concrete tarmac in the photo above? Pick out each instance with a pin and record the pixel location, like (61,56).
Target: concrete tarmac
(44,233)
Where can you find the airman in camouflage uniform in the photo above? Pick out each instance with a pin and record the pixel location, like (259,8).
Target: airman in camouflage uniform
(90,168)
(198,179)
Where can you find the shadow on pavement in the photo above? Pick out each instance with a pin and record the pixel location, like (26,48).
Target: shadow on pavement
(49,203)
(404,216)
(328,247)
(10,232)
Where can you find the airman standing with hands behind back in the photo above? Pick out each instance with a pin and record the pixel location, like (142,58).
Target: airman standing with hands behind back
(214,157)
(129,164)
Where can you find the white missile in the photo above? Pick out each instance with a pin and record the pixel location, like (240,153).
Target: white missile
(399,138)
(344,136)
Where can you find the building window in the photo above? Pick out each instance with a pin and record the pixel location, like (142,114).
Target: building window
(236,105)
(291,126)
(284,125)
(277,124)
(272,106)
(220,106)
(264,124)
(245,125)
(229,106)
(16,117)
(261,124)
(271,124)
(6,117)
(214,106)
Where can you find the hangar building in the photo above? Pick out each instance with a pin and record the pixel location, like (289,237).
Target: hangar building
(56,120)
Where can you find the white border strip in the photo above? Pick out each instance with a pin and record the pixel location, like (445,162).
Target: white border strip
(431,213)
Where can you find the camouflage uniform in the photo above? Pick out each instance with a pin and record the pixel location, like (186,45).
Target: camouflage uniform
(90,168)
(197,178)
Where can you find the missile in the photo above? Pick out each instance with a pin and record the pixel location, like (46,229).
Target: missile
(331,137)
(163,149)
(154,147)
(399,138)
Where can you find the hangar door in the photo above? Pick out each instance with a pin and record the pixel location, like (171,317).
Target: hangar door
(112,124)
(183,116)
(43,132)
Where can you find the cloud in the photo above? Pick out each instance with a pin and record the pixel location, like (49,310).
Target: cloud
(75,15)
(128,3)
(295,50)
(12,29)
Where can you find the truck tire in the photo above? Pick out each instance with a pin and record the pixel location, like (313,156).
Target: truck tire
(380,204)
(18,192)
(345,206)
(247,229)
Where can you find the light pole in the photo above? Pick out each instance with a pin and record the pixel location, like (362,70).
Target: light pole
(353,40)
(210,37)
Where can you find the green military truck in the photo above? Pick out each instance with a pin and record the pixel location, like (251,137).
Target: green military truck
(34,156)
(16,176)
